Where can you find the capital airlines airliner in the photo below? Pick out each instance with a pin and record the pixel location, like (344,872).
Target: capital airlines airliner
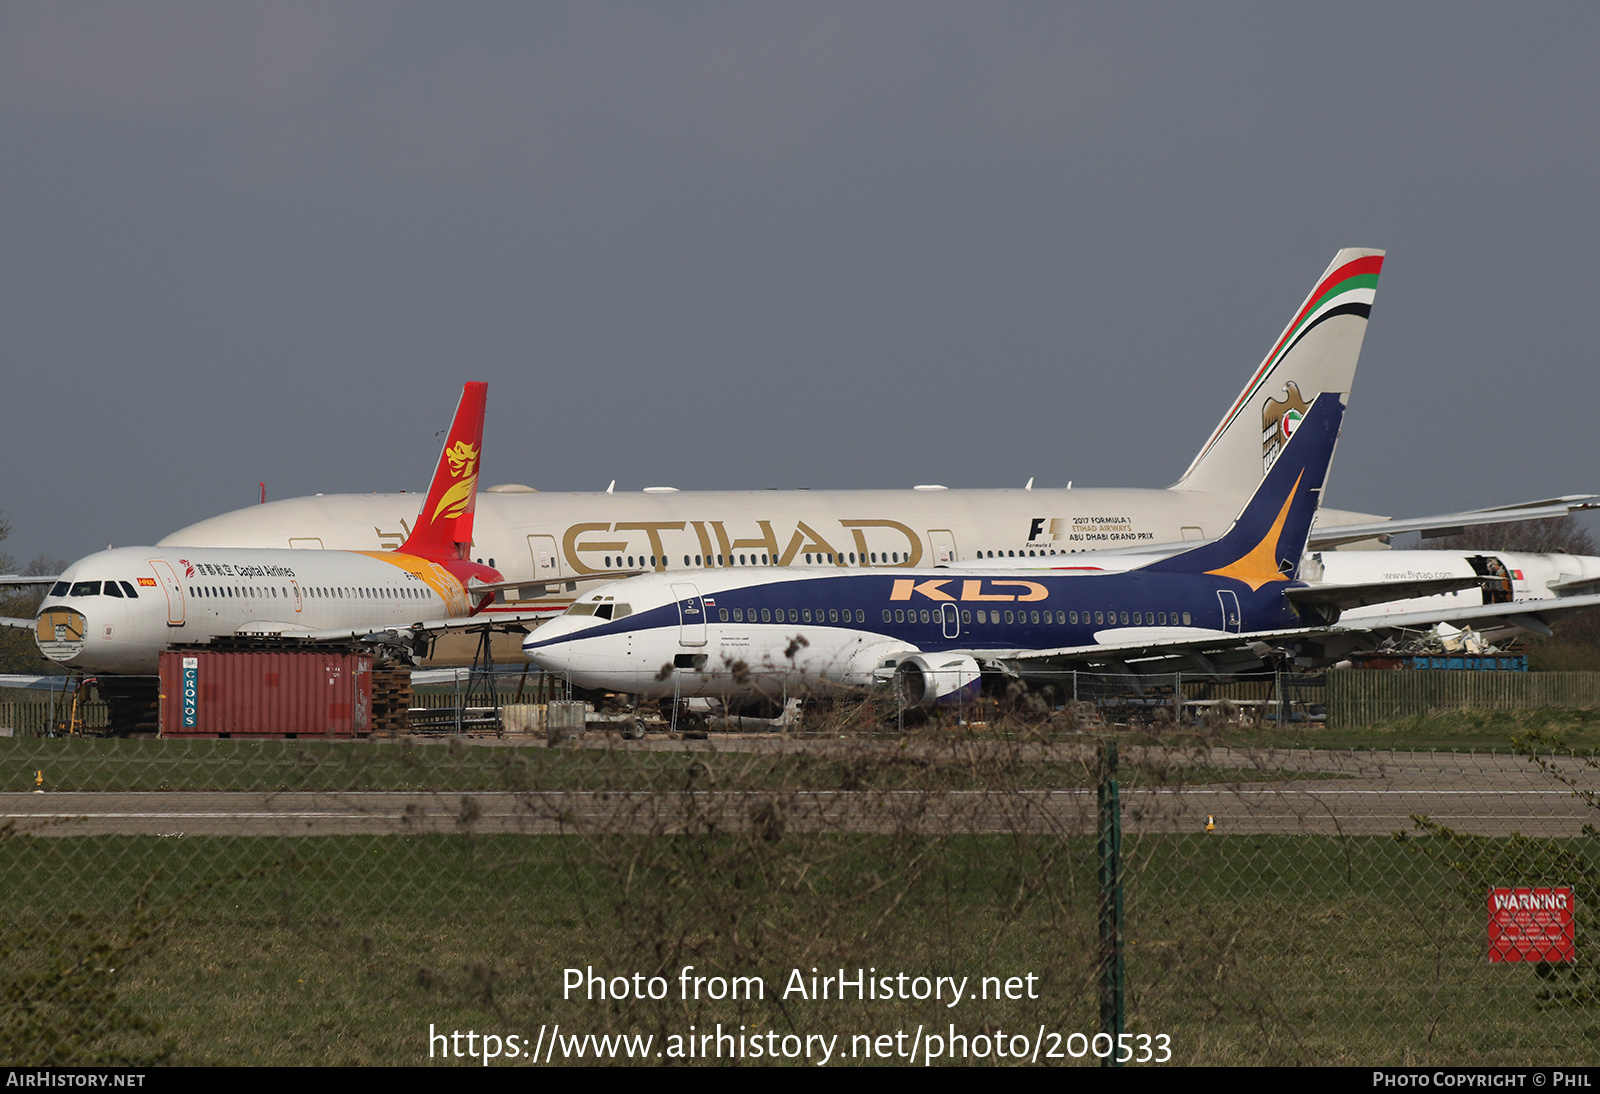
(115,611)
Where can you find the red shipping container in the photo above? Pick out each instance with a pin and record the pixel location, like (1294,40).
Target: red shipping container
(226,693)
(1531,925)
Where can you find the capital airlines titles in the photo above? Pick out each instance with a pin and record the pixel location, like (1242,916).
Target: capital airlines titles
(223,569)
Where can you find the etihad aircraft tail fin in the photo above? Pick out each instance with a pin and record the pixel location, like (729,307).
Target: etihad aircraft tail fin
(1316,353)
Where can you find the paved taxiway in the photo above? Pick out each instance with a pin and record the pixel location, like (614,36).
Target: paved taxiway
(1304,792)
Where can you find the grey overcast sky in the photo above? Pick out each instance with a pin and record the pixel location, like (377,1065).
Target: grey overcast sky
(725,245)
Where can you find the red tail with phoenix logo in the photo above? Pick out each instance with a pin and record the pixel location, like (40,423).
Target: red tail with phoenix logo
(443,532)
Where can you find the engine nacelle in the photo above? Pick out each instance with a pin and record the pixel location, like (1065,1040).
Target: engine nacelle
(938,680)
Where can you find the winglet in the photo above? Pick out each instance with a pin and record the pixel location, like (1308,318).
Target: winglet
(443,530)
(1269,537)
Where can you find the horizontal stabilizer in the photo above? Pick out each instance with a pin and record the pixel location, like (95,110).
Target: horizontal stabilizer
(1376,592)
(1576,587)
(1452,524)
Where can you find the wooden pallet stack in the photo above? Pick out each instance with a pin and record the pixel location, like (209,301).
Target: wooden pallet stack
(391,701)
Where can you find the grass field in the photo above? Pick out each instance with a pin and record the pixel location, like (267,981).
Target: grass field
(343,950)
(925,762)
(1454,731)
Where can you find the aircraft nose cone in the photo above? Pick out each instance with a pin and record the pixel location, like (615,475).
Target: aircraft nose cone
(549,648)
(59,633)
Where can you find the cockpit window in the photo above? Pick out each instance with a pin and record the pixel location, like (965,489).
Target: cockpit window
(132,595)
(112,590)
(85,588)
(602,611)
(621,610)
(60,588)
(582,609)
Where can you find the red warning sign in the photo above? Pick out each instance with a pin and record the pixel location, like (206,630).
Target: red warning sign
(1530,925)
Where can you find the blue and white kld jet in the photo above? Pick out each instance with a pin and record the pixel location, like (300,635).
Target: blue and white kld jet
(733,635)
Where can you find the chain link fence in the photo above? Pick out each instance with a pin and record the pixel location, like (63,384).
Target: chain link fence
(841,896)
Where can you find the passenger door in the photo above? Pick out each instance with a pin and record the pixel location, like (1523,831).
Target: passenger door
(546,559)
(1232,622)
(172,587)
(691,615)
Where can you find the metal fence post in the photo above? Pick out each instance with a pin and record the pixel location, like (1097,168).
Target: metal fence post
(1111,965)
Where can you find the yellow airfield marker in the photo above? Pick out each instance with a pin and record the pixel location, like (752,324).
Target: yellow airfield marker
(38,782)
(1211,823)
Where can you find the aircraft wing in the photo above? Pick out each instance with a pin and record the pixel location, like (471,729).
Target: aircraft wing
(1530,615)
(432,626)
(479,588)
(1326,538)
(1377,592)
(22,579)
(1451,524)
(34,683)
(19,624)
(1158,643)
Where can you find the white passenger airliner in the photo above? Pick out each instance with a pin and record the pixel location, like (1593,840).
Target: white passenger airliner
(550,543)
(115,611)
(1519,591)
(1223,606)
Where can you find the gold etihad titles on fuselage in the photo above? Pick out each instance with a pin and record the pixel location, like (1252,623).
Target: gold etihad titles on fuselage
(712,540)
(463,460)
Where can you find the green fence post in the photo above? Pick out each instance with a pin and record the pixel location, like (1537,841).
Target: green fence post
(1111,967)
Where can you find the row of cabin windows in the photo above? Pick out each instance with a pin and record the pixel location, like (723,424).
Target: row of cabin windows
(92,588)
(902,615)
(1138,619)
(124,589)
(319,592)
(817,558)
(812,559)
(796,615)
